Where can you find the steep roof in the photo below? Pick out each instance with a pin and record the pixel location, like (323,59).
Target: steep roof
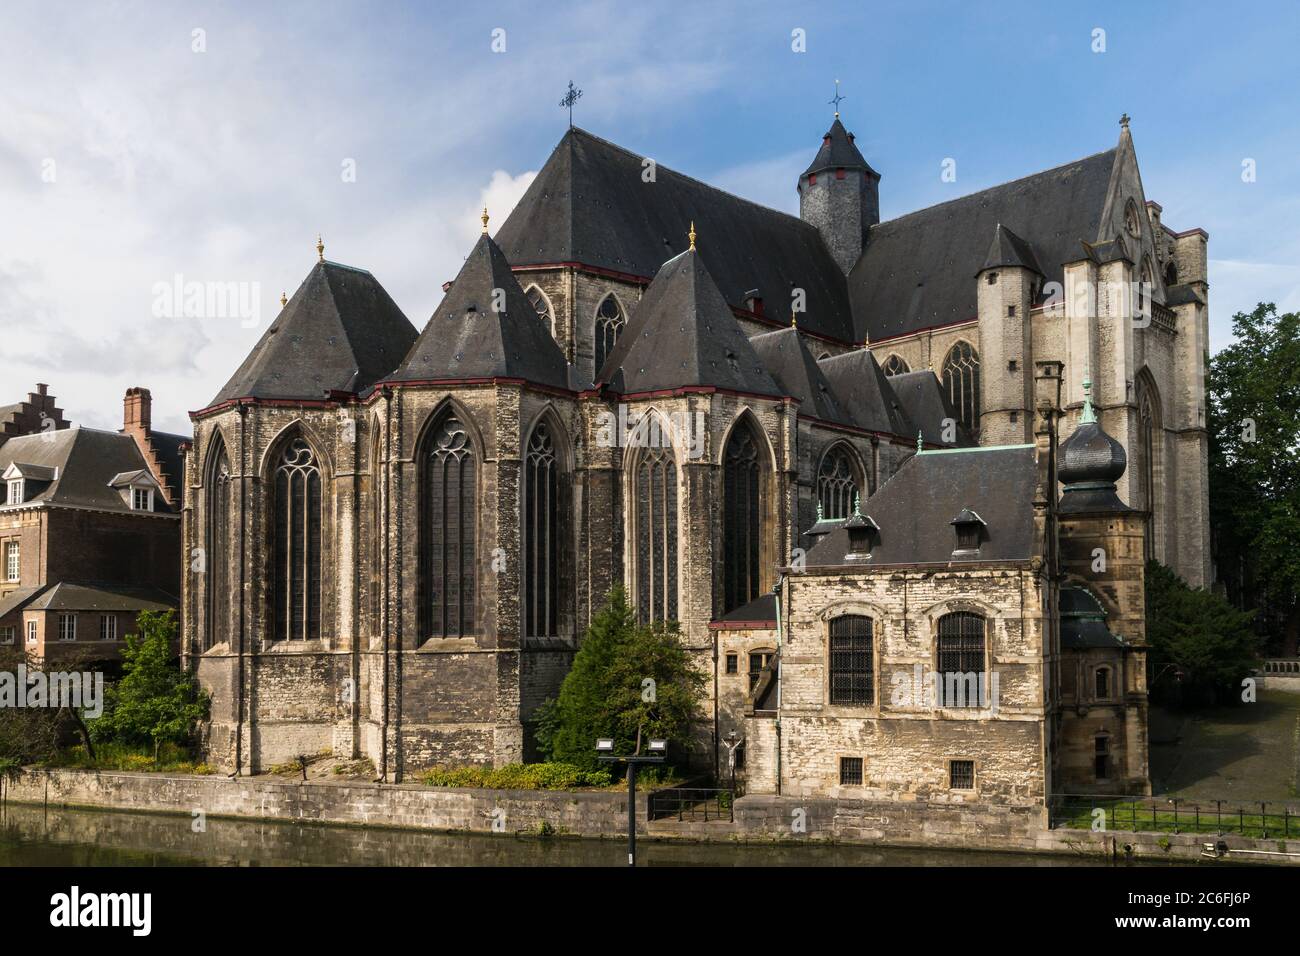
(838,151)
(923,399)
(469,337)
(590,204)
(87,460)
(340,331)
(1008,249)
(682,334)
(786,357)
(915,507)
(916,270)
(867,393)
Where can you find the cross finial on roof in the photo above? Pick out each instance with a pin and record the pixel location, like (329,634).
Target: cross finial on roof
(320,248)
(794,319)
(1088,414)
(484,217)
(857,505)
(570,98)
(819,510)
(835,100)
(1123,121)
(691,235)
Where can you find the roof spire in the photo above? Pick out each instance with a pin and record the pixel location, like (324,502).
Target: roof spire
(857,505)
(794,318)
(484,217)
(691,235)
(835,100)
(920,443)
(320,248)
(819,509)
(1088,414)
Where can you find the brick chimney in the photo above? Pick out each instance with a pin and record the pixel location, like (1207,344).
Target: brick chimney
(137,411)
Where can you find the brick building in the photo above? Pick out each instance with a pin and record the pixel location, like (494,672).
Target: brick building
(645,380)
(89,534)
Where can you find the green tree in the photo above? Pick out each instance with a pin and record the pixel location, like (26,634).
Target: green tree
(155,702)
(1254,426)
(630,682)
(1200,645)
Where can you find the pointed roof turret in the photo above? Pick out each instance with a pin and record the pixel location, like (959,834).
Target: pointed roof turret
(339,332)
(682,333)
(838,151)
(1008,249)
(485,327)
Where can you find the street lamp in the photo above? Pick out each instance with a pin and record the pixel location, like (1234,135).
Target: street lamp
(658,753)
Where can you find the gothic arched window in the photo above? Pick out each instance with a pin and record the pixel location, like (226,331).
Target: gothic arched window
(609,325)
(1148,430)
(894,365)
(449,532)
(742,519)
(960,653)
(220,490)
(836,483)
(1132,224)
(961,380)
(542,308)
(543,534)
(296,545)
(655,514)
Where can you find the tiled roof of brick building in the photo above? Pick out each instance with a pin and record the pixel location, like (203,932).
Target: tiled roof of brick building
(84,462)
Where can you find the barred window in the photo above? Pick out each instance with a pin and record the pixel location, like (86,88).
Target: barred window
(961,653)
(961,774)
(655,514)
(543,533)
(219,492)
(894,365)
(450,499)
(836,483)
(961,381)
(741,519)
(732,664)
(296,548)
(852,672)
(850,771)
(758,660)
(609,325)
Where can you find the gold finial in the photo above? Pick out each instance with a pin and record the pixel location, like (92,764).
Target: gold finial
(320,247)
(484,217)
(284,300)
(691,235)
(794,319)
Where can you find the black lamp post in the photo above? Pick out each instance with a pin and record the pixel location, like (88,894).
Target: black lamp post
(658,751)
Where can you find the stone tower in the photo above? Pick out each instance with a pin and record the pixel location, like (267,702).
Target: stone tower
(840,195)
(1007,285)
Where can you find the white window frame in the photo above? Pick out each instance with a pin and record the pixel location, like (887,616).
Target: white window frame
(8,633)
(147,492)
(31,632)
(67,627)
(13,560)
(15,492)
(108,627)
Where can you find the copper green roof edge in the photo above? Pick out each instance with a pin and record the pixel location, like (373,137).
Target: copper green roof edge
(958,451)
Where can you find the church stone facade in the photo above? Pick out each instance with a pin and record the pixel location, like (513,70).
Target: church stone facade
(396,537)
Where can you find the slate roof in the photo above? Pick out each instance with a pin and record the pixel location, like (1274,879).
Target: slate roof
(916,270)
(467,338)
(589,204)
(682,334)
(785,355)
(761,610)
(1008,249)
(66,596)
(838,152)
(914,508)
(339,332)
(1083,622)
(867,393)
(87,461)
(926,405)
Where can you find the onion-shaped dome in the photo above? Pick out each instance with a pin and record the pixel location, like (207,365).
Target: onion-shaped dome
(1090,462)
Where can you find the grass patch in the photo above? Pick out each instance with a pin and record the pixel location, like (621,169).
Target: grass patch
(1137,816)
(111,756)
(518,776)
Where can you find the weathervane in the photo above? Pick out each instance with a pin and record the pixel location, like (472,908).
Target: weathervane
(835,100)
(570,98)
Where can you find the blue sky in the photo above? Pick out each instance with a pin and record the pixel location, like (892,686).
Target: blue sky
(128,158)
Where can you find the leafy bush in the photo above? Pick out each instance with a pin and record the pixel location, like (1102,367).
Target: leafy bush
(114,756)
(517,776)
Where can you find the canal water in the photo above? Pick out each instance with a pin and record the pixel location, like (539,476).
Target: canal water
(33,836)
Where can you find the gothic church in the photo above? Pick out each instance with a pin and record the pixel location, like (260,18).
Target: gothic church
(879,449)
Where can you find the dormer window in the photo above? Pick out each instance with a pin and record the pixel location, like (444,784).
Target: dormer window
(15,492)
(863,531)
(970,531)
(142,499)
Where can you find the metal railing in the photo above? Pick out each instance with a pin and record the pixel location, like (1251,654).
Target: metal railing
(1253,818)
(709,804)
